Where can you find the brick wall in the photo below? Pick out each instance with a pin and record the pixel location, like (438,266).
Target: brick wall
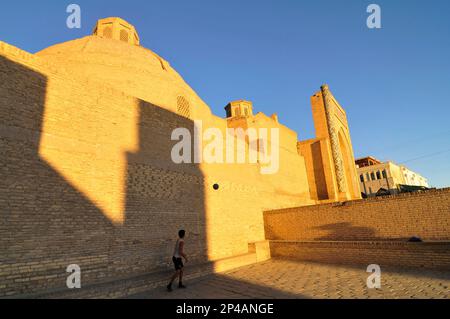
(425,214)
(431,255)
(87,178)
(69,196)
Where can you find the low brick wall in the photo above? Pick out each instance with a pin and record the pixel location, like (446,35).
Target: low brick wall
(432,255)
(397,217)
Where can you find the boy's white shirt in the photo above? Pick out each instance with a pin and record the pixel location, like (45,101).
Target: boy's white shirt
(176,252)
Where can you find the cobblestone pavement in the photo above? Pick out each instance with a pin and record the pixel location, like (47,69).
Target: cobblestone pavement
(291,279)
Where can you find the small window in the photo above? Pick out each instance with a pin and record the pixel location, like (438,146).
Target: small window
(384,174)
(123,35)
(372,175)
(107,32)
(183,107)
(361,177)
(378,175)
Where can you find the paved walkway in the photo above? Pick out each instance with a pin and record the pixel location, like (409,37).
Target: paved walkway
(291,279)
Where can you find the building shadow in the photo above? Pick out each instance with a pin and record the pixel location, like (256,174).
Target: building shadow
(47,224)
(345,231)
(319,172)
(161,197)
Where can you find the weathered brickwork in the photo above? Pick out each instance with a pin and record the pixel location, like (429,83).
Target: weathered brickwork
(400,217)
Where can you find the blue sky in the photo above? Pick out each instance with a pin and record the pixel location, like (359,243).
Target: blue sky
(393,82)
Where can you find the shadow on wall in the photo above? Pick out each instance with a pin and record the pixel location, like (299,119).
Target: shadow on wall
(46,224)
(346,232)
(319,173)
(343,231)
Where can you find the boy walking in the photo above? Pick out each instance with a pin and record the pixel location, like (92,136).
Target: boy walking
(177,261)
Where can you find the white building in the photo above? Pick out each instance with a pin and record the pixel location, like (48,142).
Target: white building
(376,176)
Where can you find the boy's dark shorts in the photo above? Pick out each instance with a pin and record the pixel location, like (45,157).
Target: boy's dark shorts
(178,263)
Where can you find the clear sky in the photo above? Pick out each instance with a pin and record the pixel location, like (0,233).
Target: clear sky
(393,82)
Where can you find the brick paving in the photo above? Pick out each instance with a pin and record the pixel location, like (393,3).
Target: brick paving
(278,278)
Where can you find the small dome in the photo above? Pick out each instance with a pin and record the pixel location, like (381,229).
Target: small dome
(239,108)
(118,29)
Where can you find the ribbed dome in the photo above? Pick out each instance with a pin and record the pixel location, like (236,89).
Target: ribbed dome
(132,69)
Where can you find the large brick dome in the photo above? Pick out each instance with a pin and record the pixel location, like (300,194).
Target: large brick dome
(125,65)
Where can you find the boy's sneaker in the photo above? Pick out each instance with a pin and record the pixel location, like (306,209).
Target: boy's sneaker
(181,286)
(169,288)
